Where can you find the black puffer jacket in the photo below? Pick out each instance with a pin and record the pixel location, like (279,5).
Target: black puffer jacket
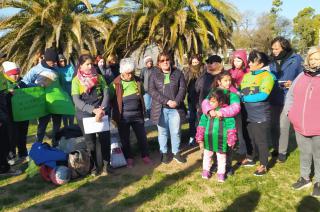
(161,94)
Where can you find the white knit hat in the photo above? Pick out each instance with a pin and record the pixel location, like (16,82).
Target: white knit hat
(10,68)
(127,65)
(147,59)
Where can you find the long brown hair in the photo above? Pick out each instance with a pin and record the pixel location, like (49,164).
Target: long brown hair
(219,77)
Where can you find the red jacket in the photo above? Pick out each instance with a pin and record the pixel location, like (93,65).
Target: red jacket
(303,102)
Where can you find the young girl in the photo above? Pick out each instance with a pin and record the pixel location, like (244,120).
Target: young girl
(90,96)
(224,81)
(217,134)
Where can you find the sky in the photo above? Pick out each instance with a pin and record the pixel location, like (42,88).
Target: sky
(290,8)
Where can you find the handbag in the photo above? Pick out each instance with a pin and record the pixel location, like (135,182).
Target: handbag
(116,158)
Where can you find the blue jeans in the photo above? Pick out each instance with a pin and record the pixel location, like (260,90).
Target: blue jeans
(169,124)
(147,101)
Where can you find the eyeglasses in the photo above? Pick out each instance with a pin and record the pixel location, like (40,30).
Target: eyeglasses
(165,60)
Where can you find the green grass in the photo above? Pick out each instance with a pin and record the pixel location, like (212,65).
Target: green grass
(171,187)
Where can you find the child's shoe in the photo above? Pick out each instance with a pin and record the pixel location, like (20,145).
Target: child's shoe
(147,160)
(130,163)
(221,178)
(206,174)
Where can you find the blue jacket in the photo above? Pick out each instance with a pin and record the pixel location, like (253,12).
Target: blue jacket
(290,69)
(42,153)
(65,77)
(32,75)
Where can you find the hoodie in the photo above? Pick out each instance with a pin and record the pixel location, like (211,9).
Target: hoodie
(237,74)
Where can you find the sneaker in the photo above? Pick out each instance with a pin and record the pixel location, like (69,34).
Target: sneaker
(192,141)
(316,190)
(107,169)
(95,172)
(248,163)
(261,170)
(177,157)
(147,160)
(221,178)
(213,168)
(274,153)
(230,172)
(130,163)
(11,172)
(206,174)
(282,158)
(12,162)
(165,158)
(301,183)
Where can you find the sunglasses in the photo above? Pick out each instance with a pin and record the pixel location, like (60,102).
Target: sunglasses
(165,60)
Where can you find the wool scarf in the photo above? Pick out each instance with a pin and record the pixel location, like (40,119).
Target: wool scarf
(88,80)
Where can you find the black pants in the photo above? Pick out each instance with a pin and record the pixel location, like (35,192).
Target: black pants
(4,148)
(42,126)
(139,130)
(192,120)
(259,134)
(18,137)
(103,145)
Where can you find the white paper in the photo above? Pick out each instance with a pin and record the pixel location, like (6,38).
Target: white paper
(91,126)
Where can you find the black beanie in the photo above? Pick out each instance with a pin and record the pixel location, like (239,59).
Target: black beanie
(214,58)
(51,55)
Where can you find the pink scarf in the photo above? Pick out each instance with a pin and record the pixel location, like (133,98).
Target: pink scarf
(88,80)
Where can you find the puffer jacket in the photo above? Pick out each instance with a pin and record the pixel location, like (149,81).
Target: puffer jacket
(302,104)
(237,74)
(160,97)
(290,69)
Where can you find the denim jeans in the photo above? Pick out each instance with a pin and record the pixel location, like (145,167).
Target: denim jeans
(147,101)
(169,124)
(309,148)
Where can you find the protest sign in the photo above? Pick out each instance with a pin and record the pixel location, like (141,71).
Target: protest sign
(28,104)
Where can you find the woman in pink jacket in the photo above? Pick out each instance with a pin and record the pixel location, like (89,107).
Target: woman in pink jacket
(302,105)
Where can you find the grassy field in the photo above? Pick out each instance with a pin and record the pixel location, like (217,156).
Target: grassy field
(171,187)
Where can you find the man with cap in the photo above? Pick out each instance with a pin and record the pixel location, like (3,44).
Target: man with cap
(128,110)
(17,130)
(5,168)
(66,72)
(145,75)
(41,75)
(204,82)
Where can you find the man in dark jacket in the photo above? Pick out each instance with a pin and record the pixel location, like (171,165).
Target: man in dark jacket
(168,89)
(145,76)
(204,82)
(286,66)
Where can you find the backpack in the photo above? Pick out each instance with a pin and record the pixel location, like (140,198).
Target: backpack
(79,163)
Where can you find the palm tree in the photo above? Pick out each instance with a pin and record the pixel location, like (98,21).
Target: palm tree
(67,25)
(183,26)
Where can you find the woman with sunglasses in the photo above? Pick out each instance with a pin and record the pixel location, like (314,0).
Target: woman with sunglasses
(168,89)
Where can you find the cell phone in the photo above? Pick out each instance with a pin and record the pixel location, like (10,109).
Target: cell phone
(281,82)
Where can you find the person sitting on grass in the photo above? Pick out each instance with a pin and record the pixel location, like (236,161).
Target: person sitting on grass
(303,103)
(217,134)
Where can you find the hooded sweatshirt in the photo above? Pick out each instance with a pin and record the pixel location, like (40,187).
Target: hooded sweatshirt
(237,74)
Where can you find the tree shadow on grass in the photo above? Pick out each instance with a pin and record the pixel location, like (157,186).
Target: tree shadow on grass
(246,202)
(308,203)
(18,192)
(150,193)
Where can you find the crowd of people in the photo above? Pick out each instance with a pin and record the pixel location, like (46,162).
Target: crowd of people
(247,109)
